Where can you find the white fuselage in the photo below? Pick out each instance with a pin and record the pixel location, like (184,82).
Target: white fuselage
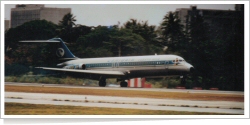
(130,63)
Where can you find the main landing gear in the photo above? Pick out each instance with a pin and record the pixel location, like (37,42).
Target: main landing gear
(102,82)
(123,84)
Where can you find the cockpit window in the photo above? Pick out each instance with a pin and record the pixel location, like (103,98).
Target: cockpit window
(180,60)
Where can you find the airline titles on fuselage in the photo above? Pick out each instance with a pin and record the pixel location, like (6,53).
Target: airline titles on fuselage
(131,60)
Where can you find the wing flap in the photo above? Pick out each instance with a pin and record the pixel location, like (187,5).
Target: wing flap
(85,71)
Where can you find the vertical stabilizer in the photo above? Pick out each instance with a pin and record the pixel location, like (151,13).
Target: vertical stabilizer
(63,51)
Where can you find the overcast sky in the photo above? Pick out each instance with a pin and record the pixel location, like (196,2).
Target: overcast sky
(111,14)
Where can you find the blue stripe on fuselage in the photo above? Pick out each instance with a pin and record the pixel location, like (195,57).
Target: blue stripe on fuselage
(121,64)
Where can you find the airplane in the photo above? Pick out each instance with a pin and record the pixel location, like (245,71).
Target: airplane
(121,68)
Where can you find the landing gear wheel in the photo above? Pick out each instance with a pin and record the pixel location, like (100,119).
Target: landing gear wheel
(124,84)
(102,82)
(183,80)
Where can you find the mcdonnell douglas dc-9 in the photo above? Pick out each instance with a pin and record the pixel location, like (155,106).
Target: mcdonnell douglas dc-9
(121,68)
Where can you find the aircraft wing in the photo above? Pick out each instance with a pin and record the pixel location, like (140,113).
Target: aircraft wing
(85,71)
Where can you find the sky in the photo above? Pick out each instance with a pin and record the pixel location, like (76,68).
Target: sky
(111,14)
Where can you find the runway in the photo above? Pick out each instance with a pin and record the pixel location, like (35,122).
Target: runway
(228,107)
(139,89)
(125,102)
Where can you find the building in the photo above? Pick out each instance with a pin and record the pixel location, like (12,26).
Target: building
(6,24)
(209,15)
(217,20)
(25,13)
(239,7)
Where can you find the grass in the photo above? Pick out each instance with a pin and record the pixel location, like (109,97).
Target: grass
(126,93)
(46,79)
(41,109)
(163,83)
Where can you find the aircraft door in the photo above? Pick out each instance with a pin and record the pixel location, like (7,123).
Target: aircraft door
(115,65)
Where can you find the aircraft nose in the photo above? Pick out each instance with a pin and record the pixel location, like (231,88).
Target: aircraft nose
(190,67)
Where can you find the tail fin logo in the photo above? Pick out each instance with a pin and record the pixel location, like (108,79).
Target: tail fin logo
(60,52)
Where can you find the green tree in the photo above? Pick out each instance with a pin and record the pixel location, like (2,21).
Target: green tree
(66,27)
(89,44)
(234,58)
(68,21)
(198,50)
(28,54)
(124,43)
(143,29)
(148,33)
(172,32)
(111,40)
(217,51)
(33,30)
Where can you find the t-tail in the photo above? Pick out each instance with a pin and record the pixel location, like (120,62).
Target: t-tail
(62,51)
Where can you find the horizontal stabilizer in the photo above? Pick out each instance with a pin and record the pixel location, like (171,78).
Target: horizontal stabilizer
(69,58)
(39,41)
(62,50)
(85,71)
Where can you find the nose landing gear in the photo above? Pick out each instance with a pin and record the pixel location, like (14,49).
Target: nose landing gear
(183,80)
